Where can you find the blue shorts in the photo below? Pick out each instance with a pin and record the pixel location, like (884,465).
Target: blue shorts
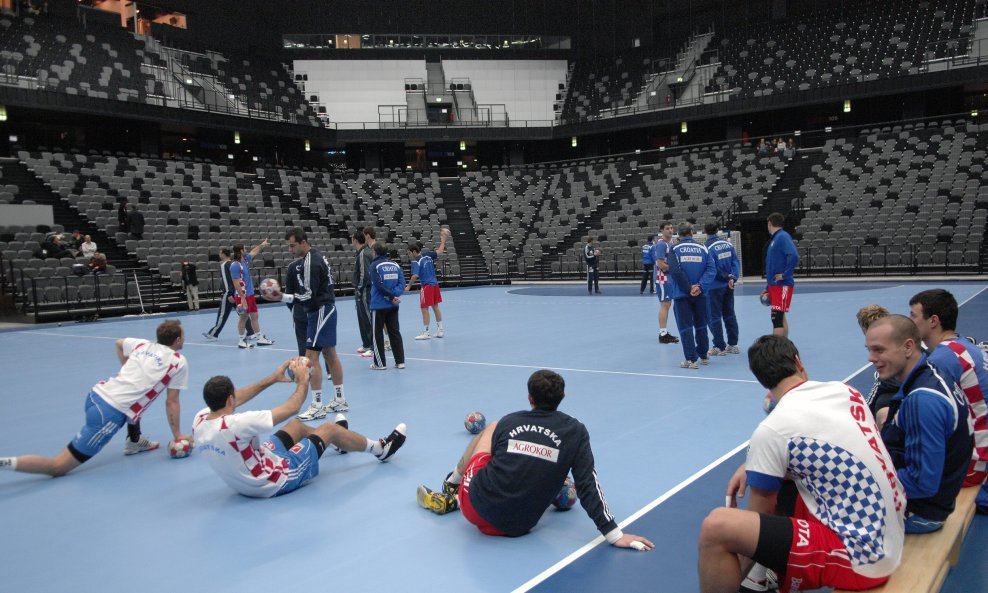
(303,462)
(102,422)
(321,331)
(663,294)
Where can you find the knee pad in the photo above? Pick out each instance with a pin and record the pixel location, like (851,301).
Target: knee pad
(777,318)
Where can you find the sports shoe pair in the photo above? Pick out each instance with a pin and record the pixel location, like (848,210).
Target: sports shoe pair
(377,367)
(717,352)
(316,411)
(441,502)
(689,364)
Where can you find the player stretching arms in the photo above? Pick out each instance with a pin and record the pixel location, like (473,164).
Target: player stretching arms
(147,369)
(781,260)
(424,269)
(246,302)
(660,254)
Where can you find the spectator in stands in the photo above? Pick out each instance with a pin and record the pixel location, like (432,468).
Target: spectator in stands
(88,247)
(883,390)
(823,511)
(123,216)
(136,221)
(935,314)
(928,431)
(75,242)
(791,149)
(55,248)
(97,263)
(691,270)
(780,146)
(190,282)
(762,148)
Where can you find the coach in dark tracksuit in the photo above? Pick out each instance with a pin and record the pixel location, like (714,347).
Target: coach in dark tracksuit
(387,285)
(361,289)
(226,301)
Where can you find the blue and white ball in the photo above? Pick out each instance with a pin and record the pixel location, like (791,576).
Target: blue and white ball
(768,403)
(474,422)
(765,300)
(298,360)
(566,498)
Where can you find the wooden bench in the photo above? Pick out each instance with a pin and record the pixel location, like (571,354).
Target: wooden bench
(926,559)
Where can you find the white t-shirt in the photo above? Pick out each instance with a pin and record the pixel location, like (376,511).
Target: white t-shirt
(823,437)
(150,369)
(232,447)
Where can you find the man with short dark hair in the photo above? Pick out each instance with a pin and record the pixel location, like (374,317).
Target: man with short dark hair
(387,286)
(361,294)
(817,455)
(243,284)
(660,255)
(227,301)
(648,266)
(232,443)
(781,259)
(515,467)
(424,270)
(314,293)
(591,254)
(935,314)
(928,431)
(147,370)
(721,294)
(691,270)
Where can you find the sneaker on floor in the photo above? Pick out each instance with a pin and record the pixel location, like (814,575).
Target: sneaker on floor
(393,442)
(341,421)
(439,503)
(145,444)
(422,336)
(668,339)
(263,340)
(689,364)
(337,405)
(314,412)
(715,351)
(208,336)
(449,487)
(378,367)
(367,353)
(245,343)
(361,350)
(387,345)
(400,365)
(440,333)
(705,360)
(733,349)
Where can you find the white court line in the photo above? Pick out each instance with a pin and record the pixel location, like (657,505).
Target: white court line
(442,361)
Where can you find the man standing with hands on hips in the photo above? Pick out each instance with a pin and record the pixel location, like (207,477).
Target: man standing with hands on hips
(781,260)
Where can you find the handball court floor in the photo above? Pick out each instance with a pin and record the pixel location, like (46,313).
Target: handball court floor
(665,441)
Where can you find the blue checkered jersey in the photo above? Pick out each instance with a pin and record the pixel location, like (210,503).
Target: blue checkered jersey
(240,270)
(726,262)
(660,252)
(648,258)
(928,432)
(387,282)
(689,264)
(823,437)
(424,266)
(781,258)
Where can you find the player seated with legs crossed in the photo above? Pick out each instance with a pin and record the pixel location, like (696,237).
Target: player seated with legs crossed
(231,441)
(841,525)
(513,469)
(424,270)
(314,282)
(147,370)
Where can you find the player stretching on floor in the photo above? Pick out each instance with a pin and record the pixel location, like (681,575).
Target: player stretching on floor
(315,295)
(288,459)
(513,469)
(424,269)
(147,369)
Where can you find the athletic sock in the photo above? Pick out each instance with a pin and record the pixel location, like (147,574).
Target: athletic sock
(339,391)
(439,325)
(134,431)
(663,331)
(8,463)
(455,477)
(374,447)
(427,329)
(317,396)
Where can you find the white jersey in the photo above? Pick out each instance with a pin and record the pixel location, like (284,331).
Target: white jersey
(232,447)
(150,369)
(823,437)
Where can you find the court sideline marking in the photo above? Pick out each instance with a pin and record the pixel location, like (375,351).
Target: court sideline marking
(572,557)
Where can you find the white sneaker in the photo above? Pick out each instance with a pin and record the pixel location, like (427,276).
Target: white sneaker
(440,333)
(145,444)
(367,353)
(705,360)
(208,337)
(688,364)
(400,365)
(376,367)
(245,343)
(716,352)
(315,412)
(733,349)
(263,340)
(387,346)
(342,421)
(423,336)
(337,405)
(361,350)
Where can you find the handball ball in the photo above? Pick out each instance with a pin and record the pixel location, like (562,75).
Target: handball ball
(474,422)
(768,404)
(446,232)
(179,449)
(764,299)
(566,498)
(269,289)
(290,371)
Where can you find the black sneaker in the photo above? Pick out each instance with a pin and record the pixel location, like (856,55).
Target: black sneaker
(449,487)
(668,339)
(395,440)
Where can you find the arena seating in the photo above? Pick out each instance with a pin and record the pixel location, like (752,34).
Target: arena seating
(611,82)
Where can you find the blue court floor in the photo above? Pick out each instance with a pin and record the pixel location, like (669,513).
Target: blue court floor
(665,442)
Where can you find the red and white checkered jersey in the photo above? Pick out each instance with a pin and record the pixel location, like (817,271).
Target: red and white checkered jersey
(151,368)
(234,450)
(973,380)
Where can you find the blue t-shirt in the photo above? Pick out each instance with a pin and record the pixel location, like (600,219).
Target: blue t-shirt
(241,271)
(648,258)
(424,266)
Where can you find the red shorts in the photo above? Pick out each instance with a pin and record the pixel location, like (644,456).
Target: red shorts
(429,296)
(251,305)
(780,297)
(974,477)
(477,463)
(818,558)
